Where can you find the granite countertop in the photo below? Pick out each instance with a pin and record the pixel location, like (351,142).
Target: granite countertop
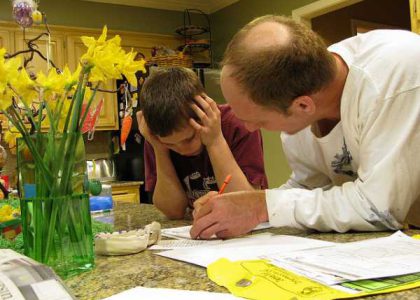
(114,274)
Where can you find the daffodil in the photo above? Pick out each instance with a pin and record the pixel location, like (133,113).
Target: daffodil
(24,87)
(108,60)
(8,72)
(10,137)
(128,67)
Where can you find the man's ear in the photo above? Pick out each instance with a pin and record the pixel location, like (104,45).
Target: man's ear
(303,105)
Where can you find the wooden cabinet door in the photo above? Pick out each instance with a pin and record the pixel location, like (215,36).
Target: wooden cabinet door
(55,46)
(126,193)
(6,40)
(50,47)
(415,15)
(108,116)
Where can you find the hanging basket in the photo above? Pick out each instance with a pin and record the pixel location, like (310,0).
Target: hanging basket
(180,59)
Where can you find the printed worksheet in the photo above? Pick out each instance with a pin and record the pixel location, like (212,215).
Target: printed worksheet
(394,255)
(184,231)
(250,247)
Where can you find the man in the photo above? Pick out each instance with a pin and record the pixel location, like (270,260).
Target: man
(349,118)
(192,143)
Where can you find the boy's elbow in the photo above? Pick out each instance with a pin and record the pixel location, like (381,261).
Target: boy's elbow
(170,213)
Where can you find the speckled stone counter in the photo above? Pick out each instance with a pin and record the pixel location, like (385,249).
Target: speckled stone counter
(114,274)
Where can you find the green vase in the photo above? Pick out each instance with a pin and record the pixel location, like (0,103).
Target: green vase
(56,222)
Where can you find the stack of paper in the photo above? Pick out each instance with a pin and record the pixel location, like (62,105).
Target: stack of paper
(395,255)
(251,247)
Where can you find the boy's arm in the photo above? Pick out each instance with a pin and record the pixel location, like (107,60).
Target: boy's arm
(221,157)
(169,196)
(167,182)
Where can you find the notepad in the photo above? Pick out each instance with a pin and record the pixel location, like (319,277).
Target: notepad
(184,231)
(183,243)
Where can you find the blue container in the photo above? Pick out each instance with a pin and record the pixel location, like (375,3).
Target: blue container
(100,203)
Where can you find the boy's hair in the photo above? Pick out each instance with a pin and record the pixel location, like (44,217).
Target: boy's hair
(166,97)
(274,76)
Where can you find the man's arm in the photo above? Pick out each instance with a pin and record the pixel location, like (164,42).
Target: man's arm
(168,196)
(387,183)
(221,157)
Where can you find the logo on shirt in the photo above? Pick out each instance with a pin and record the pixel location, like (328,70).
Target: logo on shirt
(198,186)
(342,162)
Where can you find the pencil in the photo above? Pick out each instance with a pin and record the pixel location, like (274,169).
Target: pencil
(225,183)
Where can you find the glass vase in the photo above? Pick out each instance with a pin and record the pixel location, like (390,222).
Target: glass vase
(56,222)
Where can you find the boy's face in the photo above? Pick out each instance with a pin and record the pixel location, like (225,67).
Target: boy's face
(185,141)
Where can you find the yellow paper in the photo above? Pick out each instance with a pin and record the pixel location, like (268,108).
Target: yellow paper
(266,281)
(260,280)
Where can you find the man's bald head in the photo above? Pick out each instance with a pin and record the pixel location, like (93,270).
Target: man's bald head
(276,59)
(266,35)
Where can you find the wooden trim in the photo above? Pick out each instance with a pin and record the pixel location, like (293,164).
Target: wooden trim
(415,15)
(87,31)
(306,13)
(176,5)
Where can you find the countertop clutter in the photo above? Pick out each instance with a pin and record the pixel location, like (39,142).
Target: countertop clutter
(114,274)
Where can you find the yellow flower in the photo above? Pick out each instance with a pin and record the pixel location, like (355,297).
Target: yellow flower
(6,213)
(128,66)
(71,79)
(10,137)
(8,72)
(108,60)
(52,83)
(24,87)
(6,98)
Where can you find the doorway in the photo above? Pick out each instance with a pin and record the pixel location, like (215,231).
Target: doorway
(340,19)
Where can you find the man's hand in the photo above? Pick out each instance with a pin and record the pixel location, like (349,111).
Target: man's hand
(210,128)
(229,215)
(145,132)
(201,201)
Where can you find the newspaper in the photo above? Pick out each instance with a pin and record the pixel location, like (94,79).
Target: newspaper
(23,278)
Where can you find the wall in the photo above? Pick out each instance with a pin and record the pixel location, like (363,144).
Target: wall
(95,15)
(225,23)
(392,13)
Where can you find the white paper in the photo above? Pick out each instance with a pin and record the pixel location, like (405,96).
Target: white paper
(165,294)
(243,248)
(184,231)
(185,243)
(176,244)
(395,255)
(50,290)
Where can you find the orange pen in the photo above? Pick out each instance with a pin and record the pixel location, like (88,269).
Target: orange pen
(225,183)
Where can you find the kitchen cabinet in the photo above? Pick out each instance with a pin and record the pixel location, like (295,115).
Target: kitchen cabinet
(66,48)
(55,49)
(6,40)
(126,191)
(415,15)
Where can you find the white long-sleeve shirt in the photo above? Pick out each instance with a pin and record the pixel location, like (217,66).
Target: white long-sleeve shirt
(365,174)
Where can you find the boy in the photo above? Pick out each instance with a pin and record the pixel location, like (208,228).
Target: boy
(192,144)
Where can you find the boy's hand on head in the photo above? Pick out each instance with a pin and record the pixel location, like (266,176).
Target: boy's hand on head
(145,132)
(210,128)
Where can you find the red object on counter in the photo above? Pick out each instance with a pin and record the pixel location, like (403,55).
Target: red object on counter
(5,181)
